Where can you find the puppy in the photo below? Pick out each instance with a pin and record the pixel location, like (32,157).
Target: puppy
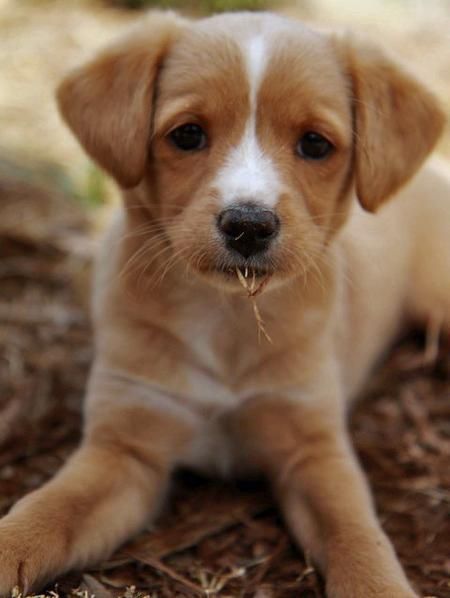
(252,153)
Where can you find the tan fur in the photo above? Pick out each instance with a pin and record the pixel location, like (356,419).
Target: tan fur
(180,376)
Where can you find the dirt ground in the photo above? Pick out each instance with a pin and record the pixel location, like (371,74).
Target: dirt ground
(212,539)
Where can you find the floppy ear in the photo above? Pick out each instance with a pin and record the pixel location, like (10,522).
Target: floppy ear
(108,102)
(397,122)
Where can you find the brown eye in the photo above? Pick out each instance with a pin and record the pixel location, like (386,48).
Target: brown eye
(313,146)
(189,137)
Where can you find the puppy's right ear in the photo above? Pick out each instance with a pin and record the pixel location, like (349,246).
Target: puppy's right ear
(108,102)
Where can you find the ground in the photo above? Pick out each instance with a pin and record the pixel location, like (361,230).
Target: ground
(212,539)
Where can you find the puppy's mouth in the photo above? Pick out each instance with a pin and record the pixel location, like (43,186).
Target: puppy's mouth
(235,275)
(225,265)
(249,272)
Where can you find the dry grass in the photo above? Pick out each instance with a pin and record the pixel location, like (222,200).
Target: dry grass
(214,539)
(252,290)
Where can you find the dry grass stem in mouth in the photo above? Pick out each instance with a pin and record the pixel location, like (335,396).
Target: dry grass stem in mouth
(253,289)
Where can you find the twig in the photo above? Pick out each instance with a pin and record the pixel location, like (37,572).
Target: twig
(252,291)
(160,566)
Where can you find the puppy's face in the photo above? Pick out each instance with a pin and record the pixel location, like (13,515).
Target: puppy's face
(251,148)
(247,133)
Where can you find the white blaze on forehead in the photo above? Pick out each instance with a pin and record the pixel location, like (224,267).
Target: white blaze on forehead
(256,59)
(249,173)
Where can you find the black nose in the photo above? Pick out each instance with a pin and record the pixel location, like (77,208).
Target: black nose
(247,228)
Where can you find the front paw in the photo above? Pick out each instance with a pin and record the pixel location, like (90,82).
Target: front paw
(28,556)
(364,565)
(382,593)
(369,588)
(16,562)
(19,558)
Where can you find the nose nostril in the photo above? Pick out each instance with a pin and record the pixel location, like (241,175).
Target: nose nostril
(265,230)
(230,225)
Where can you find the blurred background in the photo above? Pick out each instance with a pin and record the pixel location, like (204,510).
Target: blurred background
(53,204)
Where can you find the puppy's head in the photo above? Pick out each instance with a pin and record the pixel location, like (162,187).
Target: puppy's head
(248,133)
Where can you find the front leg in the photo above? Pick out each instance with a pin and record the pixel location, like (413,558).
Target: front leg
(305,450)
(103,495)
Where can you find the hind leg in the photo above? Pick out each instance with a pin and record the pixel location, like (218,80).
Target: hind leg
(429,292)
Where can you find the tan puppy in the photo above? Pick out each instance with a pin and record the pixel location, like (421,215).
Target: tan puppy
(247,143)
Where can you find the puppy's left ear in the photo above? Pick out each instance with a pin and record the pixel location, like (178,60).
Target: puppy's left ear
(397,122)
(108,102)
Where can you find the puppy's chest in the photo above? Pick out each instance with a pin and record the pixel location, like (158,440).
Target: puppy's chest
(228,356)
(217,362)
(220,341)
(229,362)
